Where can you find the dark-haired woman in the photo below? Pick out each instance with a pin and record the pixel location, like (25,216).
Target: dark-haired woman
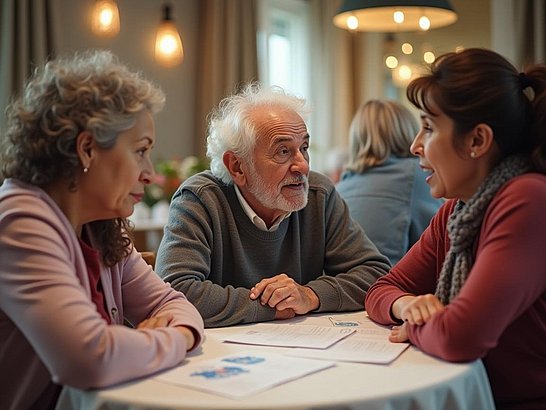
(474,285)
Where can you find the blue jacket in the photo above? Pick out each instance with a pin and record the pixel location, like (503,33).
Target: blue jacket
(391,202)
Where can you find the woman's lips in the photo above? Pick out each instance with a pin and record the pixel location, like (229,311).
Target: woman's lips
(428,171)
(137,197)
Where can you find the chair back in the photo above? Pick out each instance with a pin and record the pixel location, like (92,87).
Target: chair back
(149,257)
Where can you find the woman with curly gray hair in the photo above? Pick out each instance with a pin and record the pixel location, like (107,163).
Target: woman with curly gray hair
(76,157)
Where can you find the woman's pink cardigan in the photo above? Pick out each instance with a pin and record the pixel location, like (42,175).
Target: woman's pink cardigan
(50,329)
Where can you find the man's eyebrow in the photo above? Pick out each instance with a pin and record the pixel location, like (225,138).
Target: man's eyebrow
(282,138)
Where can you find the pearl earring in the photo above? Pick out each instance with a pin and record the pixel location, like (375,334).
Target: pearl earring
(472,155)
(85,169)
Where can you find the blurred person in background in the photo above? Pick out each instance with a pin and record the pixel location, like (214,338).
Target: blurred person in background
(383,184)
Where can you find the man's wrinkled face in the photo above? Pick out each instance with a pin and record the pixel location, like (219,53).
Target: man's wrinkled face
(278,173)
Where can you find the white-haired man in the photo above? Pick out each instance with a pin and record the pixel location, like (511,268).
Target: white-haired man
(260,236)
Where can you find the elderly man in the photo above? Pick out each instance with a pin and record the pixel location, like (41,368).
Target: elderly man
(260,236)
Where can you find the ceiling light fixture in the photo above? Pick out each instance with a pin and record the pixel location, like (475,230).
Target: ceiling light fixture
(105,18)
(394,15)
(168,44)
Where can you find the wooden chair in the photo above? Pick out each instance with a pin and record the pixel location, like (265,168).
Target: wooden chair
(149,257)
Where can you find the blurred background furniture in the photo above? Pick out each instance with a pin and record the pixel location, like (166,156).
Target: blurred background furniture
(149,257)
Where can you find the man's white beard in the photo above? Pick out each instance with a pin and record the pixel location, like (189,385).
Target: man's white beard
(271,196)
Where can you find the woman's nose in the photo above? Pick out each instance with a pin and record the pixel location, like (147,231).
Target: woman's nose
(416,147)
(147,173)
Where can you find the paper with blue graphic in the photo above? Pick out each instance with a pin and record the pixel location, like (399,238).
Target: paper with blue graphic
(240,375)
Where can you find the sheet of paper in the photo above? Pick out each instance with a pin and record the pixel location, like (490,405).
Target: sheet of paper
(315,337)
(368,344)
(243,374)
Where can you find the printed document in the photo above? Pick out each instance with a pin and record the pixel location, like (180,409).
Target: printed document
(243,374)
(306,336)
(368,344)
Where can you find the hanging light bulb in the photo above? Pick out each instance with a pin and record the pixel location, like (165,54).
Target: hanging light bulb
(105,18)
(405,72)
(391,62)
(398,17)
(407,48)
(168,45)
(429,57)
(352,23)
(424,23)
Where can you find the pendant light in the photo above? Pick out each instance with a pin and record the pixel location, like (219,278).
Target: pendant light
(394,15)
(105,18)
(168,45)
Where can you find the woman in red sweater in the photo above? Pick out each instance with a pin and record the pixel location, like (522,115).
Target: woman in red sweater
(474,285)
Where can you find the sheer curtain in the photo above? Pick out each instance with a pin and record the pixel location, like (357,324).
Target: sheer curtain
(25,41)
(530,31)
(227,54)
(519,30)
(333,92)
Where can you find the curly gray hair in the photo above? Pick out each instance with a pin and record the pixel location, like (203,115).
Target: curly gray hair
(90,91)
(231,127)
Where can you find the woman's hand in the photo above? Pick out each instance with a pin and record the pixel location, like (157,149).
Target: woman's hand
(416,310)
(399,334)
(188,335)
(164,321)
(156,321)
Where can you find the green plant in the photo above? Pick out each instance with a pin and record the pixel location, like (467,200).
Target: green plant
(169,174)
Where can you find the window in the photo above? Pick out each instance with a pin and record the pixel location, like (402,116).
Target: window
(283,44)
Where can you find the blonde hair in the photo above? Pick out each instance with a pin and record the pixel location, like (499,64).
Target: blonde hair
(380,128)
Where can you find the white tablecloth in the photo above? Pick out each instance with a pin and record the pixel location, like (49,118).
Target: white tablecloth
(413,381)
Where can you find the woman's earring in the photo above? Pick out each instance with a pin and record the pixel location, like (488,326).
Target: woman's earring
(472,155)
(85,169)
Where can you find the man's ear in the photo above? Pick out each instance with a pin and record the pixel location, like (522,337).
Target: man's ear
(85,147)
(235,167)
(481,140)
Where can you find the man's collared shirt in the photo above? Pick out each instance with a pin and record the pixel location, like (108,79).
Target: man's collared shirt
(256,220)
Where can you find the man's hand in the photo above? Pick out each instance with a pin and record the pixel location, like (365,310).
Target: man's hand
(284,314)
(282,292)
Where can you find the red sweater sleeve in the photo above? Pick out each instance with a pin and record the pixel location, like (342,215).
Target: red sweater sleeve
(505,283)
(503,292)
(416,273)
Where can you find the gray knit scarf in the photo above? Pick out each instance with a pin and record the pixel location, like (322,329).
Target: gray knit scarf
(464,223)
